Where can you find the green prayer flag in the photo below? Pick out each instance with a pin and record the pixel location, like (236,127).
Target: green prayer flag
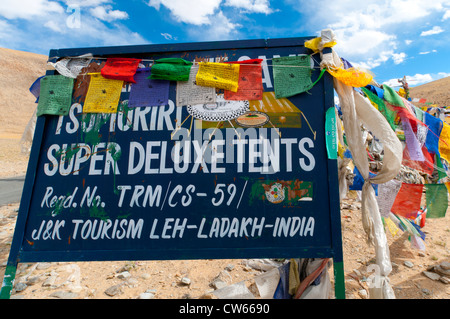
(384,110)
(419,113)
(440,167)
(171,69)
(392,97)
(55,96)
(436,200)
(291,75)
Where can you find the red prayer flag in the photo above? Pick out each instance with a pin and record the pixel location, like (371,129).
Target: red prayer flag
(250,81)
(407,202)
(426,166)
(120,69)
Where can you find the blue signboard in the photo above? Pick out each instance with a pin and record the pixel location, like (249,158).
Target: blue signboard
(175,182)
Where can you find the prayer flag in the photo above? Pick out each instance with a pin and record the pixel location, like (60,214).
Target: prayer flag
(389,114)
(434,131)
(352,77)
(35,88)
(375,90)
(103,95)
(71,67)
(417,243)
(387,192)
(393,229)
(437,200)
(392,97)
(444,142)
(291,75)
(82,81)
(358,181)
(315,44)
(407,201)
(427,166)
(55,95)
(219,75)
(189,93)
(412,143)
(122,69)
(250,85)
(171,69)
(440,168)
(147,92)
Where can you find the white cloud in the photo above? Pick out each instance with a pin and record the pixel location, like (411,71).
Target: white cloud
(417,79)
(28,9)
(221,28)
(106,13)
(86,3)
(398,57)
(45,30)
(427,52)
(196,13)
(435,30)
(6,30)
(155,4)
(256,6)
(446,15)
(373,33)
(361,43)
(52,25)
(381,58)
(168,36)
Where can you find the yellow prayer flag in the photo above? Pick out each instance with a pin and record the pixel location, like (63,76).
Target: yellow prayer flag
(447,184)
(219,75)
(313,44)
(352,77)
(393,229)
(341,150)
(444,142)
(103,95)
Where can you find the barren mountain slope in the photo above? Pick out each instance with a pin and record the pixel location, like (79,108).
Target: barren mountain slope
(436,92)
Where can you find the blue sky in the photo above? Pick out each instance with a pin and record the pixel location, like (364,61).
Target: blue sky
(391,38)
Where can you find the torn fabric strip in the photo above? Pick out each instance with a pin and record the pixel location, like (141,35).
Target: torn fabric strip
(71,67)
